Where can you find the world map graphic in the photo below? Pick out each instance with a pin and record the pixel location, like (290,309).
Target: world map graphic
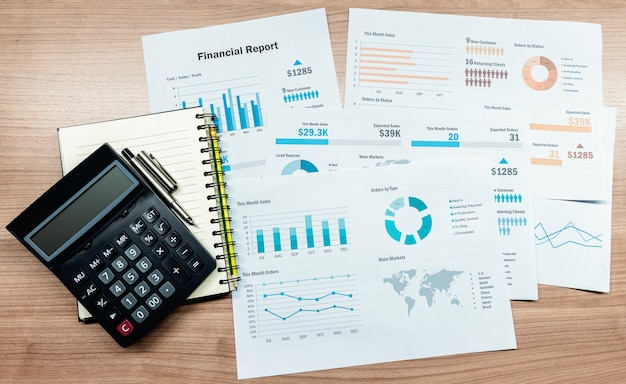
(434,288)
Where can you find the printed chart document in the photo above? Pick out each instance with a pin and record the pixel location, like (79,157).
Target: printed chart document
(417,61)
(361,266)
(335,139)
(238,71)
(573,238)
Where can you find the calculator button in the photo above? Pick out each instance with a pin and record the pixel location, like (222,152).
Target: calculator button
(125,328)
(150,215)
(155,277)
(184,251)
(154,301)
(140,314)
(79,277)
(117,288)
(133,252)
(144,265)
(96,263)
(129,301)
(131,277)
(142,289)
(137,226)
(149,238)
(173,239)
(161,227)
(160,251)
(106,276)
(102,302)
(167,289)
(91,290)
(196,264)
(122,240)
(119,264)
(113,314)
(109,251)
(178,272)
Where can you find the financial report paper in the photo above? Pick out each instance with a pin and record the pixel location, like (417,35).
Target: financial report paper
(238,71)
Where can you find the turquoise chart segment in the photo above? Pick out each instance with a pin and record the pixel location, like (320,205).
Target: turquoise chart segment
(407,220)
(324,303)
(293,231)
(299,165)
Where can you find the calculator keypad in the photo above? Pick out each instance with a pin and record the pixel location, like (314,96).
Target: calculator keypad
(137,271)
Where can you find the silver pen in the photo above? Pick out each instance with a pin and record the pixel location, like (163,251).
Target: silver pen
(156,169)
(159,188)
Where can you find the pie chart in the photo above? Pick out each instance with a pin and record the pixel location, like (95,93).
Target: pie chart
(539,73)
(407,219)
(299,166)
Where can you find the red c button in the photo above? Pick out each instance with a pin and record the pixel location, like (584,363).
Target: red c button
(125,328)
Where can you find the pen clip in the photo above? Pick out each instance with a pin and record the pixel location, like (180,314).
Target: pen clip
(150,172)
(156,169)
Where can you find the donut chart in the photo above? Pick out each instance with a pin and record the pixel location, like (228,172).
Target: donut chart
(299,165)
(391,226)
(527,73)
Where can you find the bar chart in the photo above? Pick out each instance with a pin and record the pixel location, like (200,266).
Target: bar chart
(405,66)
(299,230)
(236,102)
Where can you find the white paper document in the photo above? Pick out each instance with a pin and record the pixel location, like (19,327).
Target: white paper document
(429,61)
(362,266)
(335,139)
(239,71)
(573,238)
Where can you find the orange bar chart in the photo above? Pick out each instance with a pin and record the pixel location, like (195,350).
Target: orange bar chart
(544,161)
(561,128)
(404,65)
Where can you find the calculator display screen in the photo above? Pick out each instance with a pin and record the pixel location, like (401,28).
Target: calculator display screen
(80,212)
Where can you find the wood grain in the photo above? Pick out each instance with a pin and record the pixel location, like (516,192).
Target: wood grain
(71,62)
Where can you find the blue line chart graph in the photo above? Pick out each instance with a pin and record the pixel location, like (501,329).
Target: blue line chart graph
(316,299)
(308,304)
(568,234)
(308,310)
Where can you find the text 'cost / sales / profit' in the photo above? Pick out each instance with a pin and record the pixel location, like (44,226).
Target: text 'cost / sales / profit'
(238,51)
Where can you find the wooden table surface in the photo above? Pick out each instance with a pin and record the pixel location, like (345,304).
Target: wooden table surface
(72,62)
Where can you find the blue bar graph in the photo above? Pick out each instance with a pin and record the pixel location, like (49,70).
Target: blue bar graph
(444,144)
(260,241)
(292,232)
(237,106)
(276,235)
(343,236)
(325,233)
(310,242)
(293,238)
(296,141)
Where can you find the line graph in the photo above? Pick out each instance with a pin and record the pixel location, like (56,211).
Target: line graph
(568,234)
(305,305)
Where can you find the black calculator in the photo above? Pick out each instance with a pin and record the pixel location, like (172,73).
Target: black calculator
(115,244)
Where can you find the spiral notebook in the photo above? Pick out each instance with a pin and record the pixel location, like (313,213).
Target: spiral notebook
(185,142)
